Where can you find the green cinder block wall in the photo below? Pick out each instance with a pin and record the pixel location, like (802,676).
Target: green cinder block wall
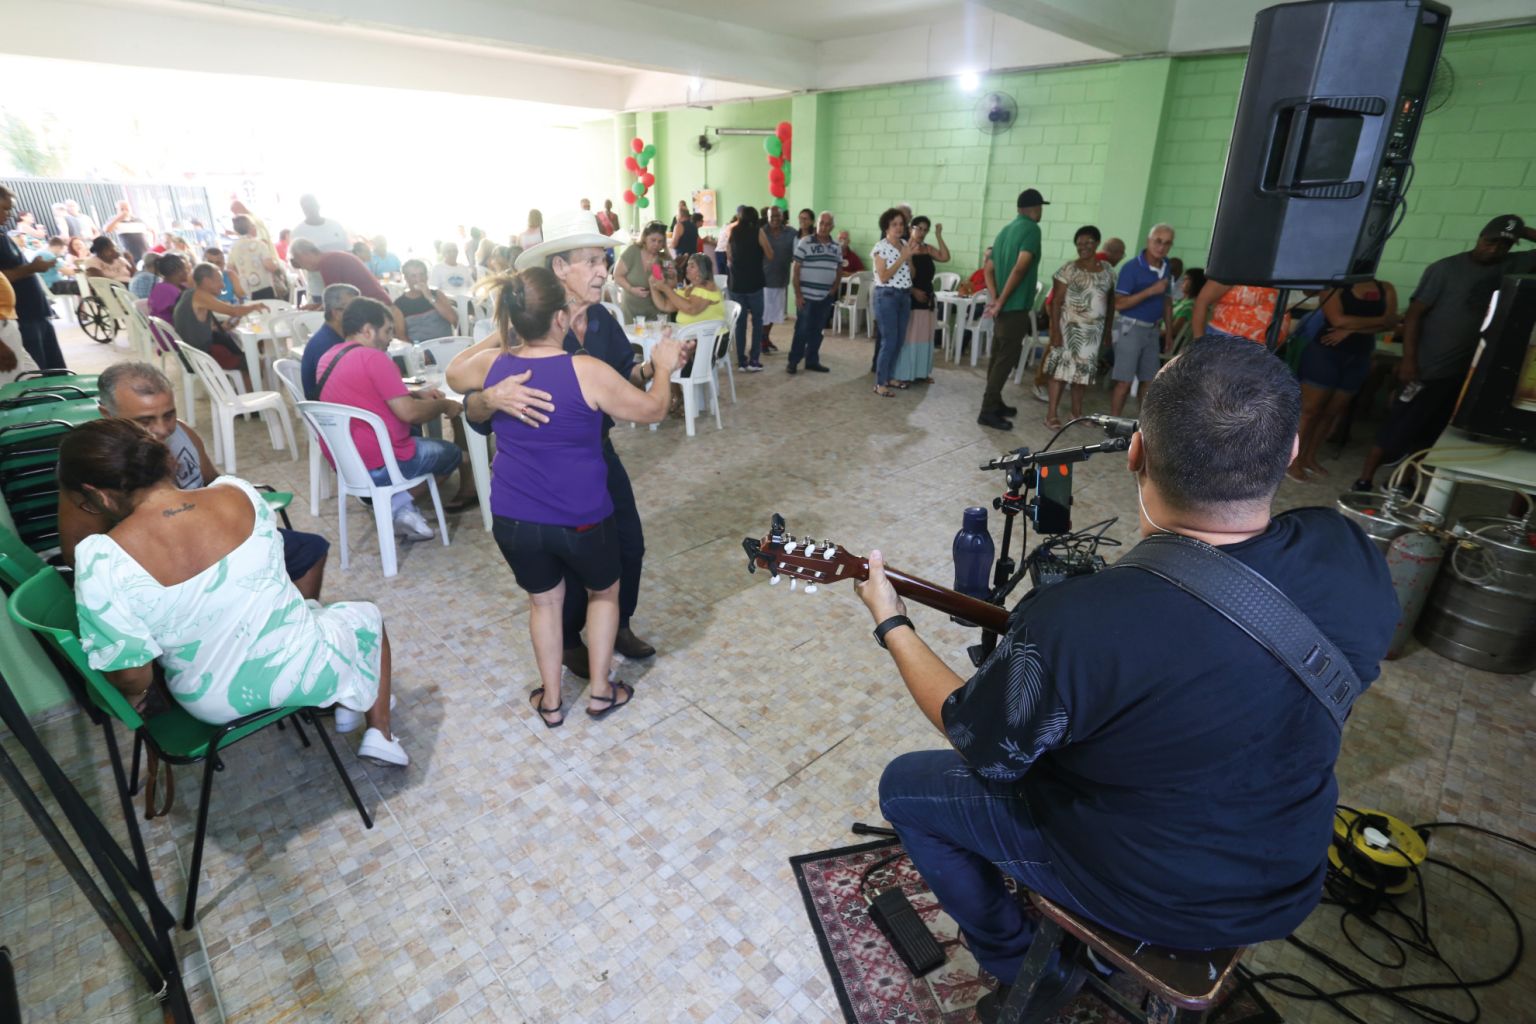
(918,142)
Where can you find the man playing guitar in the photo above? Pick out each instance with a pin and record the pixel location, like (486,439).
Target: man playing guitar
(1126,751)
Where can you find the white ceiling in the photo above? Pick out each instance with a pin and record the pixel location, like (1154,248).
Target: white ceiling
(606,55)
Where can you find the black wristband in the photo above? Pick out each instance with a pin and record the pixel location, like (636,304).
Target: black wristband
(889,624)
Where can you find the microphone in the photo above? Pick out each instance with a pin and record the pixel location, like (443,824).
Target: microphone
(1114,426)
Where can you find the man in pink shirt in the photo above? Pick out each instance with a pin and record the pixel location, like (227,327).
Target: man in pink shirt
(359,373)
(343,268)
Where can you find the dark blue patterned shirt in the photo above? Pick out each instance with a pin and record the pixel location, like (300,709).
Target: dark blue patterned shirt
(1181,776)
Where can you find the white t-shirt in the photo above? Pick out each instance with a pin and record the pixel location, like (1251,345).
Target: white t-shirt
(530,238)
(328,235)
(456,279)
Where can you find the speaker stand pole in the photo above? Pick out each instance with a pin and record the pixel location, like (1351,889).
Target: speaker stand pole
(1272,339)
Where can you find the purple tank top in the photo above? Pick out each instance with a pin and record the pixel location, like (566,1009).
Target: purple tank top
(556,474)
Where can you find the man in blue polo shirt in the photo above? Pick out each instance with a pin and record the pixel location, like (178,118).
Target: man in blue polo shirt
(335,300)
(1142,302)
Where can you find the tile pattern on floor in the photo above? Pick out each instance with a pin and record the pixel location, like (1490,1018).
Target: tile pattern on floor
(637,869)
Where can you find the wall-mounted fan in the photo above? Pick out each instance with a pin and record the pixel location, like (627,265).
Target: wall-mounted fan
(1440,87)
(996,113)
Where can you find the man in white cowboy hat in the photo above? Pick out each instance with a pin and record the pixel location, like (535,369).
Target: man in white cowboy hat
(576,252)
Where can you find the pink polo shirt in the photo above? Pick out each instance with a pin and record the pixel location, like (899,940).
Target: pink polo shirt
(367,379)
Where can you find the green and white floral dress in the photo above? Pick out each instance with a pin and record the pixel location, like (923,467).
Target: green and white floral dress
(235,639)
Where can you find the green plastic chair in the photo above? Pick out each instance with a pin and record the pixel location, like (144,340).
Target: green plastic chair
(69,384)
(46,605)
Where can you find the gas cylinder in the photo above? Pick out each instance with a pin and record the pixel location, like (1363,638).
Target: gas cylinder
(1413,559)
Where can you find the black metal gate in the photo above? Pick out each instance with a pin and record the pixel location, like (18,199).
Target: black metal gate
(161,206)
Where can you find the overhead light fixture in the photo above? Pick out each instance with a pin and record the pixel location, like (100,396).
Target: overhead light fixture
(970,81)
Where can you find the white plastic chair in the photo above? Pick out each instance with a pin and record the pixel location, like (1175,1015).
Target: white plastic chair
(303,326)
(227,403)
(701,378)
(732,314)
(165,337)
(441,351)
(854,303)
(291,374)
(334,423)
(970,323)
(1037,345)
(616,310)
(483,329)
(946,281)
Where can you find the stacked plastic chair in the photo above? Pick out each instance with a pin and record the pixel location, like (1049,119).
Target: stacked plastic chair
(35,414)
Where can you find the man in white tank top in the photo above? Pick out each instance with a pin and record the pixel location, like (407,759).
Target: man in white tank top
(140,392)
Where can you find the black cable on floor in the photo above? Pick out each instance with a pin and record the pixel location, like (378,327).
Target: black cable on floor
(1364,906)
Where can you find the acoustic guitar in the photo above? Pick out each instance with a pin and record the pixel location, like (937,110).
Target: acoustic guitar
(785,555)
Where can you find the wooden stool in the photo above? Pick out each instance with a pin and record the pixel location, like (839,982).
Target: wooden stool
(1184,985)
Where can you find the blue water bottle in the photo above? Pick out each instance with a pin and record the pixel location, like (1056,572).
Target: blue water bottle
(973,555)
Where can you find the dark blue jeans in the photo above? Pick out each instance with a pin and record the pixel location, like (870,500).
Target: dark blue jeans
(893,308)
(810,322)
(963,834)
(751,304)
(626,519)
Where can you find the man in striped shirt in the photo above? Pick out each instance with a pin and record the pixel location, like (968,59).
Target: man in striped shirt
(818,268)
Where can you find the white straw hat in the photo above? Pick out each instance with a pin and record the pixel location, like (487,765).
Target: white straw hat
(574,229)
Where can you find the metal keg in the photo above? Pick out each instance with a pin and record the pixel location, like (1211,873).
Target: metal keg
(1384,516)
(1482,611)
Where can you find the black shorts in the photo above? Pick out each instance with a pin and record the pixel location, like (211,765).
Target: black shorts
(301,551)
(540,554)
(1413,426)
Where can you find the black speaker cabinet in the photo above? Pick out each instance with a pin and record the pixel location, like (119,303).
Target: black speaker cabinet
(1499,399)
(1330,109)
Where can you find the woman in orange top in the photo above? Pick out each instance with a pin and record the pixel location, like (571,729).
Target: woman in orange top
(1235,312)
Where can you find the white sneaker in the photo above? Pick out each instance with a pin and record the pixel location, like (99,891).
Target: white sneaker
(409,521)
(1041,395)
(348,720)
(382,751)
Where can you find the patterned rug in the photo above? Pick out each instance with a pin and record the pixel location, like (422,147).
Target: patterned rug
(875,987)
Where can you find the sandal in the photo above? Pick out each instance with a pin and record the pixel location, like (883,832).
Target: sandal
(926,380)
(629,695)
(536,698)
(1053,424)
(884,392)
(460,504)
(899,385)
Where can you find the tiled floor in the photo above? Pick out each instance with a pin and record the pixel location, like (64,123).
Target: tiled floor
(636,869)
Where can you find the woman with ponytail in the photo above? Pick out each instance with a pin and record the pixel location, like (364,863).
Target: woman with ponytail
(549,484)
(196,580)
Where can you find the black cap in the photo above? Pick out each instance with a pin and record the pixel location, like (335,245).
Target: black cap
(1031,197)
(1506,228)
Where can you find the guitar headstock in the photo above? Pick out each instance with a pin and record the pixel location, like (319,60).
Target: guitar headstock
(783,554)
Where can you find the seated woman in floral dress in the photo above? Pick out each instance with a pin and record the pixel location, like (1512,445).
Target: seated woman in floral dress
(196,580)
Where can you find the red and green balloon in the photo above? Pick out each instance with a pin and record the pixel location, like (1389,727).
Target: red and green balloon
(778,146)
(638,164)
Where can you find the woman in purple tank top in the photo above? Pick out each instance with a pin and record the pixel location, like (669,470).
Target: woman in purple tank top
(549,483)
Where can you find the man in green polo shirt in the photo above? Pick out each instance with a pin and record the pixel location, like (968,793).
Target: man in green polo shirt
(1017,250)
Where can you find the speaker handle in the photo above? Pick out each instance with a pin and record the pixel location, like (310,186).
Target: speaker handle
(1301,113)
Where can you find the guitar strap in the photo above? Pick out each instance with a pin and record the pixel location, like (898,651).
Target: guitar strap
(1256,606)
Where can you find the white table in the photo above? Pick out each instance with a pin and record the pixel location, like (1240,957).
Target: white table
(251,332)
(479,449)
(1458,458)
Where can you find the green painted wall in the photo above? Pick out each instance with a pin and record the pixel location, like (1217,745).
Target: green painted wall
(737,167)
(1121,145)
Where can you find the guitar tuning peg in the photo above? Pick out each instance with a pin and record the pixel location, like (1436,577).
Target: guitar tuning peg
(773,581)
(810,549)
(810,588)
(793,584)
(789,547)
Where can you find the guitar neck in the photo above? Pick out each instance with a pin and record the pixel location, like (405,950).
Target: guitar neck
(950,602)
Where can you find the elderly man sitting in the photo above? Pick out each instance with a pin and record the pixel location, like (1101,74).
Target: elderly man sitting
(334,300)
(141,393)
(359,373)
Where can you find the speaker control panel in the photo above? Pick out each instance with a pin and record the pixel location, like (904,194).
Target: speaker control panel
(1405,122)
(1389,184)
